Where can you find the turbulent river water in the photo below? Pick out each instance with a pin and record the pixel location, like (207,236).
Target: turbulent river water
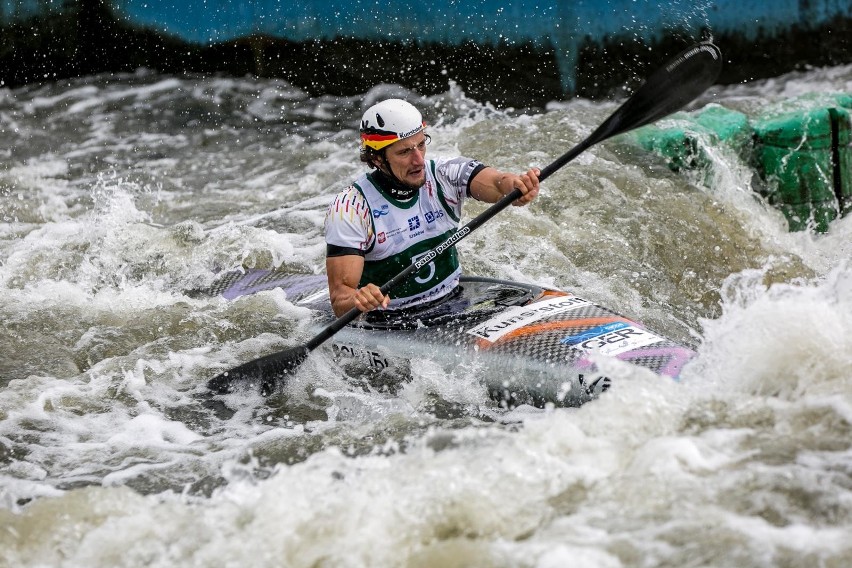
(121,195)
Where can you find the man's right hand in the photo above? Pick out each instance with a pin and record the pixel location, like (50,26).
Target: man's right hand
(344,273)
(370,297)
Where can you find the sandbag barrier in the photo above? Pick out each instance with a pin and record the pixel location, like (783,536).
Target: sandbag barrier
(799,150)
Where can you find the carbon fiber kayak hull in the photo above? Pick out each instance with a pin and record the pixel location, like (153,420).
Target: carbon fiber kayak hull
(531,345)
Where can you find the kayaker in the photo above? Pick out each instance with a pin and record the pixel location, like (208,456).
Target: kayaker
(403,208)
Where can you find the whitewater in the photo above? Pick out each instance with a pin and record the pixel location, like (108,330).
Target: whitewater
(122,196)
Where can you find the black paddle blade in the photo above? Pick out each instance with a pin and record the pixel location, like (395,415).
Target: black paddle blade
(264,372)
(666,91)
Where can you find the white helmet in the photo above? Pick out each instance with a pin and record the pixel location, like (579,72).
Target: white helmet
(388,121)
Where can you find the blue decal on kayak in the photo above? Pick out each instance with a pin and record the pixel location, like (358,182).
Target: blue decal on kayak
(594,332)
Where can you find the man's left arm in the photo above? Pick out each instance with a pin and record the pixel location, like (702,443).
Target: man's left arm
(490,184)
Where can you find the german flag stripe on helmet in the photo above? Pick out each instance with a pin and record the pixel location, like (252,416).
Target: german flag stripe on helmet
(378,139)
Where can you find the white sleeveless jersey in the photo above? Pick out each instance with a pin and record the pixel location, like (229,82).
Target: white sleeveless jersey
(393,234)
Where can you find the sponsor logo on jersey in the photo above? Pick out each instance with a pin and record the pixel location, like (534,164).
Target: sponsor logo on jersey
(432,216)
(612,339)
(414,223)
(395,235)
(383,211)
(519,316)
(381,237)
(428,295)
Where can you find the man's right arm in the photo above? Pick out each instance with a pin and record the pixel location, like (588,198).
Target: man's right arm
(348,229)
(344,273)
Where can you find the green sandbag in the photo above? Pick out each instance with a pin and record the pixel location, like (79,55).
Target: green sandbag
(683,144)
(802,155)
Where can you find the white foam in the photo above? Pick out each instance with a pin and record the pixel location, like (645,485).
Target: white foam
(786,340)
(105,427)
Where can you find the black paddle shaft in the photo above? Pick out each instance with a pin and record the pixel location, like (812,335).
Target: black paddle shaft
(667,90)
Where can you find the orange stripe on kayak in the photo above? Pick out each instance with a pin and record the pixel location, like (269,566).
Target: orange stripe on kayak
(550,326)
(554,293)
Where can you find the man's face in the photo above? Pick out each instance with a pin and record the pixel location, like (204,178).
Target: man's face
(406,159)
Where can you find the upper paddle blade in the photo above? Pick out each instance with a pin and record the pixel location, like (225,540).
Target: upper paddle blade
(668,90)
(264,372)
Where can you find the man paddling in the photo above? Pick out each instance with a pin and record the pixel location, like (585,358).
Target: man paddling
(403,208)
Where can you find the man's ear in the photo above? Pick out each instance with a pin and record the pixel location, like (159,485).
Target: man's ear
(378,162)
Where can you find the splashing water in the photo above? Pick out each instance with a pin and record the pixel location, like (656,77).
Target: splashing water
(120,195)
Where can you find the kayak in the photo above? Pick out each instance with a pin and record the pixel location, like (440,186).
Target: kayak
(530,344)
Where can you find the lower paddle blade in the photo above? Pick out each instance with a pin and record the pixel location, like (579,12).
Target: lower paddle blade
(263,373)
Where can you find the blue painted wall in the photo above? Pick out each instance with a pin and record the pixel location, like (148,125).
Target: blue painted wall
(206,21)
(562,24)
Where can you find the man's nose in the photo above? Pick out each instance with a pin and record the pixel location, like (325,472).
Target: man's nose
(419,155)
